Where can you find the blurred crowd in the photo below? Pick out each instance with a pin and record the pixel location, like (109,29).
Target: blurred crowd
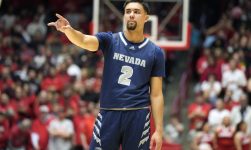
(220,114)
(49,89)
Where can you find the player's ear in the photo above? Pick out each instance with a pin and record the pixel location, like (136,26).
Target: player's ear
(146,18)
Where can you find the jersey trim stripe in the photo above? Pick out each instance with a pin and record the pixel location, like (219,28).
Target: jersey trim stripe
(122,38)
(143,44)
(124,41)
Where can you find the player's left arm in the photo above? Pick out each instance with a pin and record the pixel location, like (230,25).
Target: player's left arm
(157,104)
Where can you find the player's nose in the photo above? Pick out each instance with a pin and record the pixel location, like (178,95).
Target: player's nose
(132,15)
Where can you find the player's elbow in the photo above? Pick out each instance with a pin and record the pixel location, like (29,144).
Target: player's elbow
(89,43)
(92,48)
(156,94)
(157,97)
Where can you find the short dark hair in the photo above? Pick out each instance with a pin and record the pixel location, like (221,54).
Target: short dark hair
(144,4)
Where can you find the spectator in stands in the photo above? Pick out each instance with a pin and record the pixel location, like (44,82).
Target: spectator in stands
(54,80)
(73,70)
(90,94)
(219,53)
(242,112)
(203,137)
(238,56)
(198,112)
(6,81)
(60,132)
(20,136)
(4,130)
(36,27)
(8,19)
(72,14)
(212,68)
(81,128)
(224,135)
(24,103)
(242,139)
(217,114)
(173,131)
(249,91)
(234,79)
(202,62)
(229,102)
(70,101)
(9,107)
(39,131)
(211,88)
(32,81)
(90,118)
(42,99)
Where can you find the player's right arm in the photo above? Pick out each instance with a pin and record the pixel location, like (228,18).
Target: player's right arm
(84,41)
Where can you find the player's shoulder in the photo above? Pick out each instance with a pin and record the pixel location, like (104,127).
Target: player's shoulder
(108,33)
(105,38)
(157,50)
(154,46)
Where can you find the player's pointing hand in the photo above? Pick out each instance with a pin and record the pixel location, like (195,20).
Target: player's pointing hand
(61,24)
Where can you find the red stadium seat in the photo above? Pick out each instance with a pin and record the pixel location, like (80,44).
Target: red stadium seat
(169,146)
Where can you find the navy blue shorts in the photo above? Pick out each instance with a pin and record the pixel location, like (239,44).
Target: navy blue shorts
(128,129)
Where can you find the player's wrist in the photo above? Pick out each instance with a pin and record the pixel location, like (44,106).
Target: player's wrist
(159,130)
(66,29)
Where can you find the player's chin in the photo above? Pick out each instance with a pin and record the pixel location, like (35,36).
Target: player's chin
(131,27)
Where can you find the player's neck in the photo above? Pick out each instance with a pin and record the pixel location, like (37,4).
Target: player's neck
(133,36)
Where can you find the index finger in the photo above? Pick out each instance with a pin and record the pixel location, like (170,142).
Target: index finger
(51,24)
(59,16)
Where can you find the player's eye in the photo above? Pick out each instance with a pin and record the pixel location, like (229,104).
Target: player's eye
(128,11)
(137,12)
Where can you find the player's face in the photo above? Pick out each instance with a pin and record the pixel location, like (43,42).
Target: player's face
(135,16)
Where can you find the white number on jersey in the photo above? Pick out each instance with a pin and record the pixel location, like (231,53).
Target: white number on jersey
(127,73)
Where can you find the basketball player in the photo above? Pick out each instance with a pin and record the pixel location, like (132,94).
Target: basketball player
(132,81)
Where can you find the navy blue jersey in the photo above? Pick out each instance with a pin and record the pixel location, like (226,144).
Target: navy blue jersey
(127,70)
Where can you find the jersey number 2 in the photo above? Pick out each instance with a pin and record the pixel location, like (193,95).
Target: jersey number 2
(127,73)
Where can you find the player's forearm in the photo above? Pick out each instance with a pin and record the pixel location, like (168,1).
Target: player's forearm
(157,104)
(80,39)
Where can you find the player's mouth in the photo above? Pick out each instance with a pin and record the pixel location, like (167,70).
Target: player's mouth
(132,22)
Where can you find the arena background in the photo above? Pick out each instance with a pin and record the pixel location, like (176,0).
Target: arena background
(42,74)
